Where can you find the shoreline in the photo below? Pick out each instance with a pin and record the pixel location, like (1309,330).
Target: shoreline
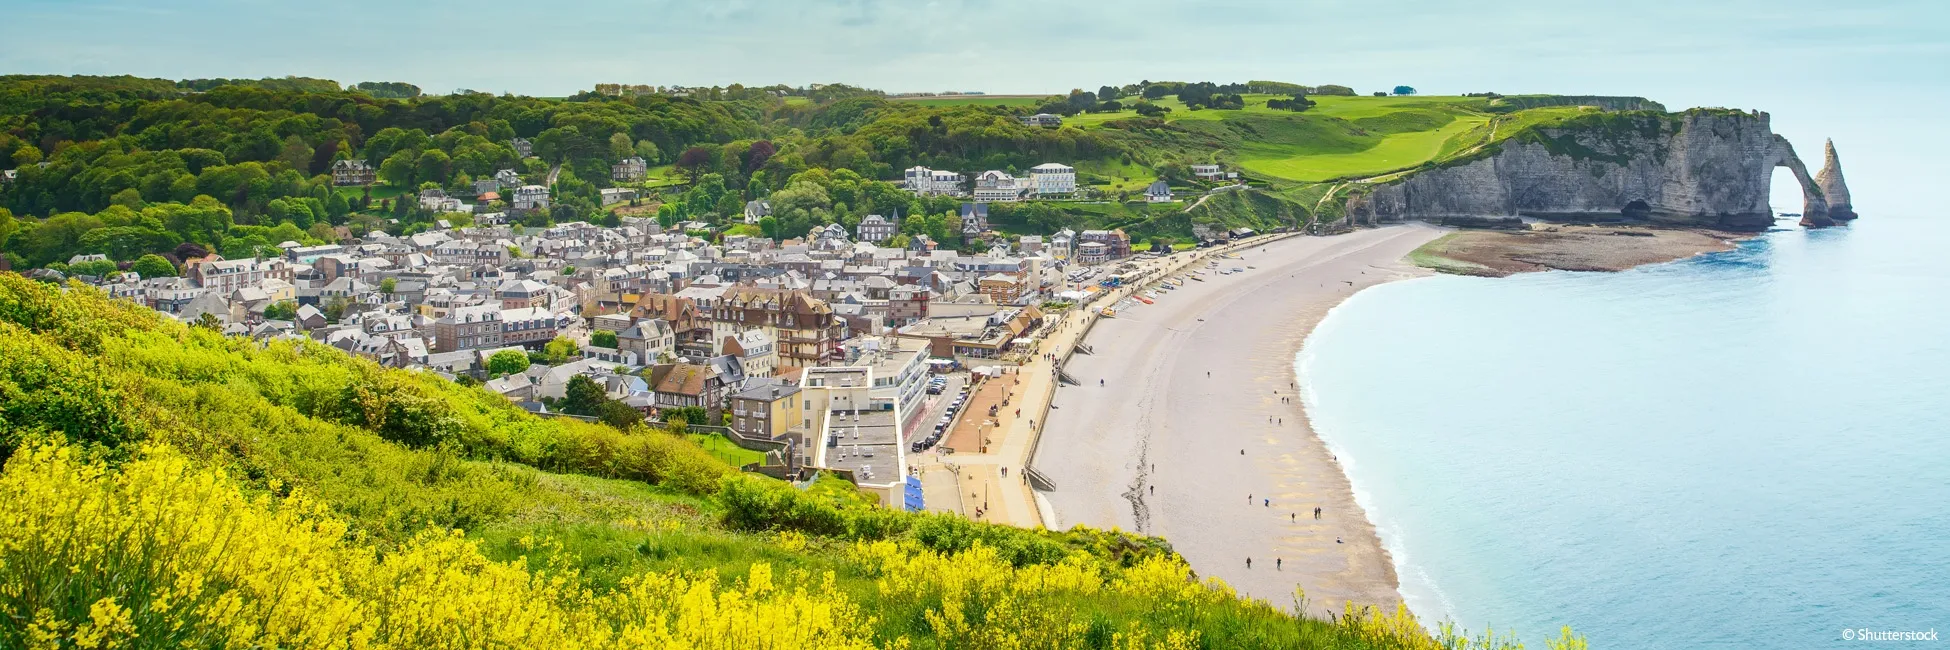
(1163,467)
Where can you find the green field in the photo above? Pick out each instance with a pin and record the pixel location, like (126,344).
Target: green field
(1340,137)
(976,100)
(723,449)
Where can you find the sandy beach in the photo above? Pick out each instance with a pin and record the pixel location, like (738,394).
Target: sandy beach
(1198,412)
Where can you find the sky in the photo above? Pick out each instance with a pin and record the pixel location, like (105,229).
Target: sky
(1872,74)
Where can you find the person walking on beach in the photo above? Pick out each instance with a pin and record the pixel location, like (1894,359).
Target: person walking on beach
(1278,562)
(1267,502)
(1293,516)
(1249,563)
(1316,512)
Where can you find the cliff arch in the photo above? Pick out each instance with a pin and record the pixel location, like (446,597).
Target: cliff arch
(1814,207)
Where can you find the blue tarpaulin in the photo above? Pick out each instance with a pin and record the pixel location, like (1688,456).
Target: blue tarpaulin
(912,491)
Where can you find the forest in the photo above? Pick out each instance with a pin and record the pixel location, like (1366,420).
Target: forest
(128,167)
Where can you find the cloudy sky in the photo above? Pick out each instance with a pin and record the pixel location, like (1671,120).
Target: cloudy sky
(1842,69)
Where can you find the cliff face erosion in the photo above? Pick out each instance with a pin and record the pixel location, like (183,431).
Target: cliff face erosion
(1704,167)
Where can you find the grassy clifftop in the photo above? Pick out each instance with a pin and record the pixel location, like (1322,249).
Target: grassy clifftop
(168,487)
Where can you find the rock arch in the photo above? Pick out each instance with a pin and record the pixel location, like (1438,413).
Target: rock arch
(1814,207)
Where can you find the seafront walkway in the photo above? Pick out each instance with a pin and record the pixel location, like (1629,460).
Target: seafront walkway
(990,479)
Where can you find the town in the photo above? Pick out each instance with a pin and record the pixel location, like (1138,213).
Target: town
(827,352)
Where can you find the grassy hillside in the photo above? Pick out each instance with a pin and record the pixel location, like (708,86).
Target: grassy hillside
(168,487)
(975,100)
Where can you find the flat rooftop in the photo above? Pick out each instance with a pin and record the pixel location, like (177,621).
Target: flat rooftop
(837,377)
(868,444)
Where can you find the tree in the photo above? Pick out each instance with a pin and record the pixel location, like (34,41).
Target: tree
(559,350)
(1149,109)
(603,339)
(507,362)
(769,226)
(694,161)
(387,285)
(153,266)
(582,396)
(27,156)
(619,415)
(620,146)
(397,171)
(1404,90)
(758,154)
(281,310)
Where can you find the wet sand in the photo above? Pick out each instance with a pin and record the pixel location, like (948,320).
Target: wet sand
(1158,448)
(1499,253)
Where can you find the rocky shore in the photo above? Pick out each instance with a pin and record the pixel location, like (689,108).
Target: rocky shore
(1498,253)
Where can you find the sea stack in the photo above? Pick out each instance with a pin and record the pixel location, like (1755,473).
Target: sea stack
(1833,188)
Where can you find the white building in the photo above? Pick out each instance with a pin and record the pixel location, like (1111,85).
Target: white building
(999,187)
(1208,172)
(875,229)
(531,197)
(933,182)
(1158,192)
(1053,180)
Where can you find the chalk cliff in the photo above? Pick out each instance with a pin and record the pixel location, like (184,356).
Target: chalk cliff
(1833,188)
(1703,167)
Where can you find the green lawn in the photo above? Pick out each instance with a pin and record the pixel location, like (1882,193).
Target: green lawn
(1394,151)
(725,450)
(379,191)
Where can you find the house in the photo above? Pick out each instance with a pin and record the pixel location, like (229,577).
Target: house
(1158,192)
(706,385)
(974,221)
(650,339)
(1116,244)
(876,229)
(507,178)
(757,350)
(755,210)
(1208,172)
(1003,288)
(1050,180)
(522,294)
(629,170)
(803,326)
(310,318)
(530,197)
(352,172)
(468,328)
(994,186)
(485,187)
(615,195)
(766,410)
(1092,253)
(906,304)
(523,148)
(1042,119)
(932,182)
(531,327)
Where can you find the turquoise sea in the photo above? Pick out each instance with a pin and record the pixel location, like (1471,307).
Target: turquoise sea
(1748,449)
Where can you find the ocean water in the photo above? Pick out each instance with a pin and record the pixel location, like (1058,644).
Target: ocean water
(1748,449)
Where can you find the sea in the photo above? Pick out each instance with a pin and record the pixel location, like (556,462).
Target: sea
(1748,449)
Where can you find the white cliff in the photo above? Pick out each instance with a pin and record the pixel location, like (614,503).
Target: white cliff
(1704,167)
